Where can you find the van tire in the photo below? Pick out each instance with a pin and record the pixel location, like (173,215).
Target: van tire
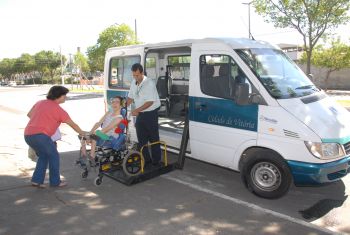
(265,173)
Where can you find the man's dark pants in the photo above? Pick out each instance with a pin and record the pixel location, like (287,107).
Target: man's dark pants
(147,131)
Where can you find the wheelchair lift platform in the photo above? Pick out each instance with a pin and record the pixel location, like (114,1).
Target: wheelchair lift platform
(151,171)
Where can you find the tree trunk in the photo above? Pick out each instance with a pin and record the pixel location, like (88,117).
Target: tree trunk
(326,80)
(41,77)
(308,63)
(309,55)
(52,75)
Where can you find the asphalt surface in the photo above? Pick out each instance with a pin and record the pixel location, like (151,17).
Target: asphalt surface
(201,199)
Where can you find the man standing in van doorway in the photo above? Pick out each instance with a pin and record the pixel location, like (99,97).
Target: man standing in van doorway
(143,93)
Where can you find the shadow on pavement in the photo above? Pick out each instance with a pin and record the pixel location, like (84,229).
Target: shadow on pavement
(321,208)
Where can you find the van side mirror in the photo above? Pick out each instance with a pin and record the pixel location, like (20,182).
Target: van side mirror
(242,93)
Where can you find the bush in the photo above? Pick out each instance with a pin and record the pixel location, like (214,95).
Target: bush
(30,81)
(69,80)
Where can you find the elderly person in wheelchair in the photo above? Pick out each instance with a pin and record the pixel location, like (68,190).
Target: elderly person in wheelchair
(110,134)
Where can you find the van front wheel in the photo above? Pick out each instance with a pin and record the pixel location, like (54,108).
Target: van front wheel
(266,174)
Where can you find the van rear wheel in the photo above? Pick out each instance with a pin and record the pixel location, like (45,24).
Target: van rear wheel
(266,174)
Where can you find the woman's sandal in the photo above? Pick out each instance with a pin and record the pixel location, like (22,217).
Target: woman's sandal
(38,185)
(62,184)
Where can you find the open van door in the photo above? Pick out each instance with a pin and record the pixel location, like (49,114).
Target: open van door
(221,118)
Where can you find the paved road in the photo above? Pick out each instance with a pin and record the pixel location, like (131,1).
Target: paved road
(201,199)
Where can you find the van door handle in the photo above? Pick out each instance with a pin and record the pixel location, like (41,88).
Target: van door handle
(200,107)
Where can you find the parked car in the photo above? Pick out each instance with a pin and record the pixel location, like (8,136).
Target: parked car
(12,83)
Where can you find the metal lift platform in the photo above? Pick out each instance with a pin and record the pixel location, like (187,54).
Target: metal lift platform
(151,171)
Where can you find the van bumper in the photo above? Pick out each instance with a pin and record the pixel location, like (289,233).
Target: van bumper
(318,173)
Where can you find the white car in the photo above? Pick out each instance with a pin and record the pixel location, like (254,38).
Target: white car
(12,83)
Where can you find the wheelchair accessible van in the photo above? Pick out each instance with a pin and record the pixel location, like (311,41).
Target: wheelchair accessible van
(127,165)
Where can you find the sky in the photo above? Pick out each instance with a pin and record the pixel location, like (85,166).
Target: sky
(29,26)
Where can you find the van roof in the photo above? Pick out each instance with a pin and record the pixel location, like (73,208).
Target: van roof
(235,43)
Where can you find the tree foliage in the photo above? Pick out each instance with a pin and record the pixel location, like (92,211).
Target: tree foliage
(40,63)
(81,62)
(7,67)
(113,36)
(43,62)
(311,18)
(48,62)
(333,58)
(24,64)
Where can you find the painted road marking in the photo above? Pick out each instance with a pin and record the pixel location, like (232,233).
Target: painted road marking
(250,205)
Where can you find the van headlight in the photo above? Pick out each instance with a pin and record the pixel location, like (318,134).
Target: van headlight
(325,151)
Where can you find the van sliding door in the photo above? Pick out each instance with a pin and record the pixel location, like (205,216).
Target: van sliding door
(218,125)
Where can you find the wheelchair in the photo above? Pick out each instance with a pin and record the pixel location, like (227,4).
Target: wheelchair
(124,158)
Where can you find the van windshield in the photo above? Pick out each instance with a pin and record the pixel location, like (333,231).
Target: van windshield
(277,72)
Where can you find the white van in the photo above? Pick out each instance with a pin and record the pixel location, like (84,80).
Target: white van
(250,109)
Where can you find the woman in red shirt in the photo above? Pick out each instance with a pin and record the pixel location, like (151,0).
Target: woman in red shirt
(45,117)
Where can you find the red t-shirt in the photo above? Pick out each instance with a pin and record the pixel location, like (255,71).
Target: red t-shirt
(46,117)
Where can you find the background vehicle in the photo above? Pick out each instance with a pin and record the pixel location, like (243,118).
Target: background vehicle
(12,83)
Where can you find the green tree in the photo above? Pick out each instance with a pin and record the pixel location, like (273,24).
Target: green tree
(333,58)
(54,63)
(7,67)
(40,63)
(113,36)
(24,64)
(311,18)
(81,62)
(47,62)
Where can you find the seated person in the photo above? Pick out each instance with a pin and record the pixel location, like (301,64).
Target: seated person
(109,126)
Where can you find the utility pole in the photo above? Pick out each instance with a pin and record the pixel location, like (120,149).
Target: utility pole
(248,3)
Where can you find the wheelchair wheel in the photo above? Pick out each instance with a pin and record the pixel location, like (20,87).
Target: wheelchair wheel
(132,163)
(84,174)
(98,181)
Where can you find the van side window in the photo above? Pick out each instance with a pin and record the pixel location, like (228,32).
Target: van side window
(219,75)
(120,75)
